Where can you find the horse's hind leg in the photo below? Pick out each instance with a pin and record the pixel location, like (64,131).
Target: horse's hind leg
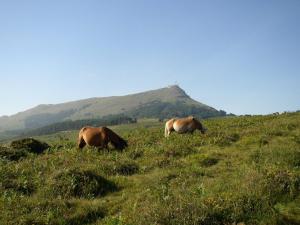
(168,130)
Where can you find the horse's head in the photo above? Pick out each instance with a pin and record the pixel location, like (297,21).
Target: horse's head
(199,126)
(204,129)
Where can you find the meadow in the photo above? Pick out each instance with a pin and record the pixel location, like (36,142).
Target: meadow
(244,170)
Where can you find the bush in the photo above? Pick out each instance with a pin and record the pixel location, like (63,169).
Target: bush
(12,154)
(126,168)
(224,140)
(281,183)
(136,154)
(290,212)
(209,161)
(178,146)
(77,183)
(52,212)
(30,145)
(20,181)
(264,140)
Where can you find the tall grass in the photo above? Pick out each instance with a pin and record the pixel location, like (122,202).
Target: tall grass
(244,170)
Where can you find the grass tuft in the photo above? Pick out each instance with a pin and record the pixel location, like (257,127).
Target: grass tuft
(30,145)
(81,183)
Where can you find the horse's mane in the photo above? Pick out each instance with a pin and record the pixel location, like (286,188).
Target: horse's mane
(201,127)
(115,139)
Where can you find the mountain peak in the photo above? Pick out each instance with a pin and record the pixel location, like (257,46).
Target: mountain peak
(175,86)
(165,102)
(178,91)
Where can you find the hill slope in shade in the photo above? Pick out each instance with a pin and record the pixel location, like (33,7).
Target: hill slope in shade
(160,103)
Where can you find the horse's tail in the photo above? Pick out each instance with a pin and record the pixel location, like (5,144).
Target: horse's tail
(166,130)
(81,142)
(115,139)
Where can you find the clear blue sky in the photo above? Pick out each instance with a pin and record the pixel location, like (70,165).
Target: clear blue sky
(239,56)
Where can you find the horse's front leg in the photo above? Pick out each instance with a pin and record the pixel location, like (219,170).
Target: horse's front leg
(102,147)
(81,143)
(104,144)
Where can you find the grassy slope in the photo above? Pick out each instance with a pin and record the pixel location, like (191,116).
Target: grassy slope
(246,169)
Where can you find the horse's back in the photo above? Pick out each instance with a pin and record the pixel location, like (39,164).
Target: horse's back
(169,123)
(89,130)
(92,135)
(184,124)
(100,136)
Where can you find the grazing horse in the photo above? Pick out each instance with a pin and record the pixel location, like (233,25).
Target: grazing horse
(100,137)
(183,125)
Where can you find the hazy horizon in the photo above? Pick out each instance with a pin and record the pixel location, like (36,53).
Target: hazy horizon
(238,57)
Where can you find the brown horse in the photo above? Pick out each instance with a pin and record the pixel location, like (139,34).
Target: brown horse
(100,137)
(183,125)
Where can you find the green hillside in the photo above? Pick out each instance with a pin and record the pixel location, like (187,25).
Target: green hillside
(160,103)
(245,170)
(66,126)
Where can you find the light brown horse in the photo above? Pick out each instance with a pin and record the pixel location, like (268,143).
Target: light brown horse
(100,137)
(183,125)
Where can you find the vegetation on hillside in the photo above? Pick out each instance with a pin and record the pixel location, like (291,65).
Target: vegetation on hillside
(78,124)
(70,125)
(244,170)
(164,110)
(160,103)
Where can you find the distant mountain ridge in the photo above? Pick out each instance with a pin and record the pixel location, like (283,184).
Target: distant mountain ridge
(161,103)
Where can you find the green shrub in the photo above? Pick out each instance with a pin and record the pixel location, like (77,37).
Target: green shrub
(52,212)
(178,146)
(126,168)
(264,140)
(297,139)
(12,154)
(136,154)
(289,212)
(78,183)
(281,183)
(30,145)
(223,139)
(209,161)
(18,181)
